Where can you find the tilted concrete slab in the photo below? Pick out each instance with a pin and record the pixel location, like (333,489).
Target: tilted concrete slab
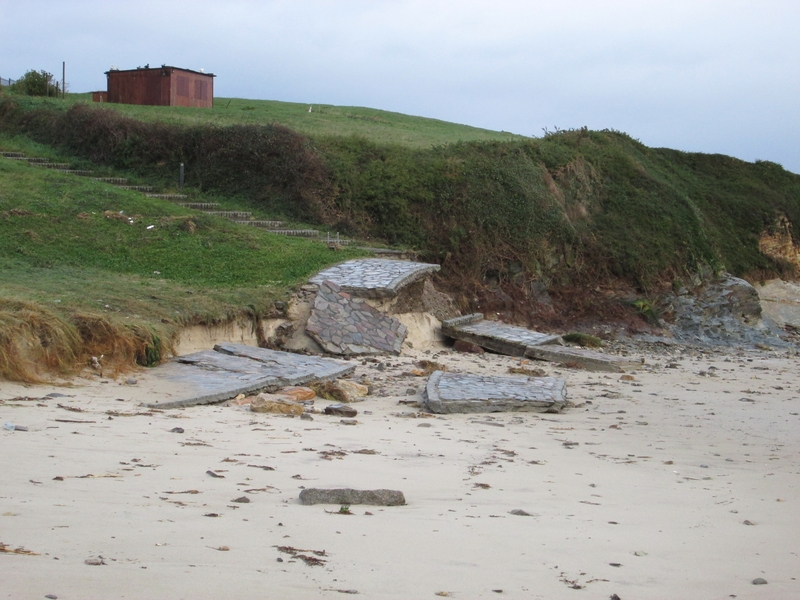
(374,277)
(492,335)
(232,369)
(349,326)
(467,393)
(585,359)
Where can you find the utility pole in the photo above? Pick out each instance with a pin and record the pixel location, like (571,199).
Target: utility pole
(63,79)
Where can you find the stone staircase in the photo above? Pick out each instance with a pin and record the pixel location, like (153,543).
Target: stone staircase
(211,208)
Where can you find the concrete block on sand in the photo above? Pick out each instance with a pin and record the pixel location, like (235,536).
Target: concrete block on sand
(350,496)
(466,393)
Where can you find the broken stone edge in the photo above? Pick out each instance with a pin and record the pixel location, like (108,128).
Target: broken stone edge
(588,359)
(389,291)
(267,384)
(451,329)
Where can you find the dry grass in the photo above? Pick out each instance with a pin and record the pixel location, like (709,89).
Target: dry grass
(34,340)
(35,343)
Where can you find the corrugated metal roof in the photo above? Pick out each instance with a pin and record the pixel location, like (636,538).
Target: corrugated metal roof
(159,69)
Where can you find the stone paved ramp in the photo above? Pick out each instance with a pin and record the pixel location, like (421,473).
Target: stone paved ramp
(232,369)
(350,326)
(466,393)
(374,277)
(586,359)
(499,337)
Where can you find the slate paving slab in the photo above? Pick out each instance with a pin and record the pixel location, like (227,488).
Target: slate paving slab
(374,277)
(468,393)
(586,359)
(493,335)
(232,369)
(345,325)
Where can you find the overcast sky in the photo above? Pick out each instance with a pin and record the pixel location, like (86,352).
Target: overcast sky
(717,76)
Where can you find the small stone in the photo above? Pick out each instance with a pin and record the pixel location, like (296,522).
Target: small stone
(759,581)
(520,513)
(348,422)
(306,417)
(469,347)
(270,403)
(96,562)
(340,410)
(51,597)
(298,394)
(176,430)
(242,500)
(131,381)
(348,496)
(747,522)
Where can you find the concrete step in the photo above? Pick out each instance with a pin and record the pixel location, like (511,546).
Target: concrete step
(136,188)
(16,155)
(494,335)
(52,165)
(168,196)
(80,172)
(206,206)
(260,223)
(111,180)
(231,214)
(296,232)
(37,160)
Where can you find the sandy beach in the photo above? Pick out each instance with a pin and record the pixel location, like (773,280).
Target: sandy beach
(679,480)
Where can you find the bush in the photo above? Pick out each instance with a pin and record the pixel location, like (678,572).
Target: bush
(36,83)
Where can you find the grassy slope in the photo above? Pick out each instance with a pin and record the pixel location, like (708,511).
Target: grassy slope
(577,207)
(379,126)
(67,254)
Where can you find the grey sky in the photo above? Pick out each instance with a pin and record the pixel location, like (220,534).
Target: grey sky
(719,76)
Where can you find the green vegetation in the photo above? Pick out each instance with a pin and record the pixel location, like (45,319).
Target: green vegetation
(36,83)
(109,271)
(583,339)
(378,126)
(575,210)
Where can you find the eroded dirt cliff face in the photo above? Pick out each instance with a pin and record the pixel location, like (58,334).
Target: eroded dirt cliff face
(779,244)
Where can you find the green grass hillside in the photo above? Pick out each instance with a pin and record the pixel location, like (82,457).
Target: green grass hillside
(104,270)
(505,216)
(379,126)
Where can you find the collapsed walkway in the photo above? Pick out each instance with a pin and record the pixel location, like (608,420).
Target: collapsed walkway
(343,323)
(232,369)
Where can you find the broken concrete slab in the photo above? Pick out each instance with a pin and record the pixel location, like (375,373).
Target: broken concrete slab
(374,277)
(467,393)
(493,335)
(294,369)
(349,326)
(582,358)
(232,369)
(347,497)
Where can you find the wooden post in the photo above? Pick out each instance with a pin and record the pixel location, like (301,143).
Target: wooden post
(63,79)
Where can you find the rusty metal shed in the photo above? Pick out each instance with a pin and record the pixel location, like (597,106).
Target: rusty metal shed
(163,86)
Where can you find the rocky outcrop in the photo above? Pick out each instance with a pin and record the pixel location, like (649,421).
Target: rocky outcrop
(726,310)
